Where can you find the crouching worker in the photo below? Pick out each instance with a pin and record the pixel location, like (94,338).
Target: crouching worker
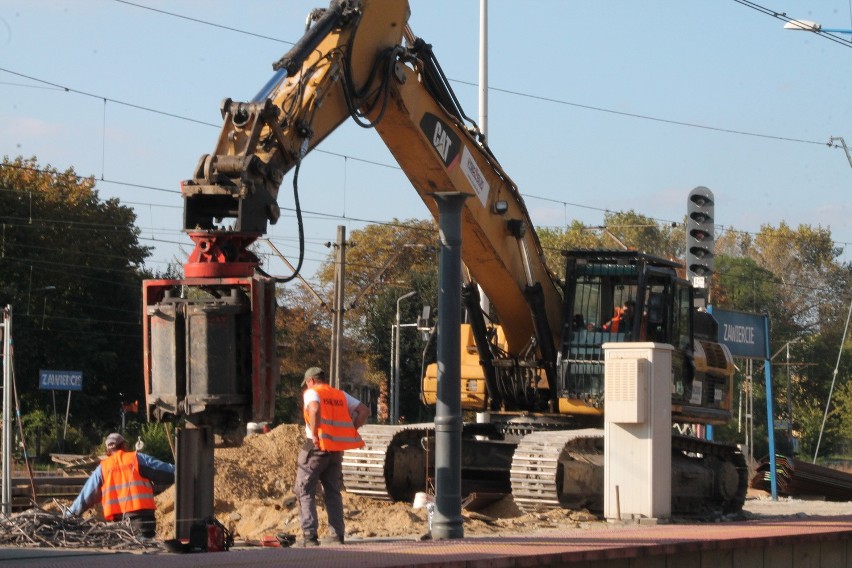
(123,485)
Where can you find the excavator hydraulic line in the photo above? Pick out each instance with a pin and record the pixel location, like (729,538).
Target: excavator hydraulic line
(470,300)
(535,299)
(292,61)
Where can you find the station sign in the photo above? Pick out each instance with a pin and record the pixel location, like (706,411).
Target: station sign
(60,380)
(743,333)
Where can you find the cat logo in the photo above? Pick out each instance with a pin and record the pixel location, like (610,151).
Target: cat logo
(441,141)
(444,140)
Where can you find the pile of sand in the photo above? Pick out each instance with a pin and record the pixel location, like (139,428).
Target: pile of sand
(253,497)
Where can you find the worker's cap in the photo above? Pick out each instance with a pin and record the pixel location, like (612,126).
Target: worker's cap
(311,373)
(113,441)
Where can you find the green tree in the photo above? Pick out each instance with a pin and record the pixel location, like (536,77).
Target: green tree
(794,276)
(619,230)
(71,269)
(384,262)
(741,284)
(804,262)
(575,236)
(643,233)
(303,339)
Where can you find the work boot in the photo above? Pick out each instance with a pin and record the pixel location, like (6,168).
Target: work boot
(310,541)
(334,539)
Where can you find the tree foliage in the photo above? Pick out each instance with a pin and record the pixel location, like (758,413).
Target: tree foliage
(384,262)
(794,276)
(624,230)
(71,269)
(803,262)
(303,340)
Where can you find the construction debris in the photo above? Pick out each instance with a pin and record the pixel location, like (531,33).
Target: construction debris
(796,478)
(37,527)
(75,464)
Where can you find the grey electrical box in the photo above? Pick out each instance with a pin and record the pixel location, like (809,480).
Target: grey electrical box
(637,430)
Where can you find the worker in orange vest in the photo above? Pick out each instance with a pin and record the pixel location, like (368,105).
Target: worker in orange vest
(332,419)
(123,485)
(623,319)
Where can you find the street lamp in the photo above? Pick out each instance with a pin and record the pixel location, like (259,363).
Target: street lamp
(809,26)
(833,139)
(789,389)
(394,394)
(44,302)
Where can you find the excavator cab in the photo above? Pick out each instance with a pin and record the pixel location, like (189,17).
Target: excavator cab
(629,296)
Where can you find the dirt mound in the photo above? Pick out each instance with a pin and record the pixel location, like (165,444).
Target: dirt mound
(253,497)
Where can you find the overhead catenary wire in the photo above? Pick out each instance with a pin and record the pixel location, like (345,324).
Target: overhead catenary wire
(57,86)
(785,18)
(396,167)
(323,215)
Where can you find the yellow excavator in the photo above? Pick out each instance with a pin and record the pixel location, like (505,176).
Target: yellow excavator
(534,378)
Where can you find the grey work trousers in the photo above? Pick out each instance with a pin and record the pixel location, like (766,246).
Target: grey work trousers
(314,466)
(143,522)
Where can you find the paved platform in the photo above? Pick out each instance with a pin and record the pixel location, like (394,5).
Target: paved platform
(803,541)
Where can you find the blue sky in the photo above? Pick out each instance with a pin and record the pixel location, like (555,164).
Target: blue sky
(593,106)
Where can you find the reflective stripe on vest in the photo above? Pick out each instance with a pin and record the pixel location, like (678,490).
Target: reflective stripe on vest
(124,489)
(335,429)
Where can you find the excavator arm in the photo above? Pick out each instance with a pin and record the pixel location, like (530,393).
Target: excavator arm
(328,75)
(360,59)
(352,62)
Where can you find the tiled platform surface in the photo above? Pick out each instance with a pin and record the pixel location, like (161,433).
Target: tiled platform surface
(823,542)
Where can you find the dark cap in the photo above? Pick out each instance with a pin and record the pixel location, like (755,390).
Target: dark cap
(311,373)
(113,441)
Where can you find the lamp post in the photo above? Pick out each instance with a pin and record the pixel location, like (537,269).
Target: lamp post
(809,26)
(394,394)
(44,302)
(789,389)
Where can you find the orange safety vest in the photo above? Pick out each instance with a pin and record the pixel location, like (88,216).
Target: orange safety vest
(335,429)
(615,322)
(124,489)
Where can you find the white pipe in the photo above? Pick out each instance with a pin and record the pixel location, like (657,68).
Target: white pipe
(6,495)
(484,302)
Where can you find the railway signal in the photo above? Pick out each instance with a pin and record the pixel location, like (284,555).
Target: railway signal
(700,237)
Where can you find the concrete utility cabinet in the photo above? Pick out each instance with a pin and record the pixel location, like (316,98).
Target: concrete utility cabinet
(637,430)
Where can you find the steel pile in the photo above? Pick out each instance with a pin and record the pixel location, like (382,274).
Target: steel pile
(37,527)
(796,478)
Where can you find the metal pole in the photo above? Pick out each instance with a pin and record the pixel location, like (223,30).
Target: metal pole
(391,412)
(447,521)
(789,403)
(6,497)
(750,411)
(843,144)
(770,421)
(396,389)
(833,379)
(484,302)
(338,309)
(67,412)
(483,66)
